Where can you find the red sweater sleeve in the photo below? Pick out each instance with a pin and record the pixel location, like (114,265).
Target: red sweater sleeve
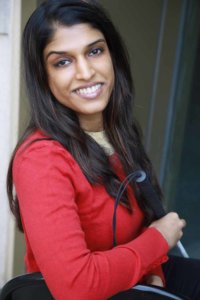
(43,176)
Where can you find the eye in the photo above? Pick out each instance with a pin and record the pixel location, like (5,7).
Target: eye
(96,51)
(63,63)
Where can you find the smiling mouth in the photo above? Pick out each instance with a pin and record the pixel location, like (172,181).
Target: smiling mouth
(89,92)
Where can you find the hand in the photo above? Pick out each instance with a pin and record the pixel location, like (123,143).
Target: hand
(170,226)
(154,280)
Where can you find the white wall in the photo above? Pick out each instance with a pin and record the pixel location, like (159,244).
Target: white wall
(10,22)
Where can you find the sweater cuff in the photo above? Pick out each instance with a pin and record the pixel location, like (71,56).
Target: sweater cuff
(151,248)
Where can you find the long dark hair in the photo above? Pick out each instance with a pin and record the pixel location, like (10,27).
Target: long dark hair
(60,123)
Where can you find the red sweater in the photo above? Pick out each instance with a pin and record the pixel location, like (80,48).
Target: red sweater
(68,227)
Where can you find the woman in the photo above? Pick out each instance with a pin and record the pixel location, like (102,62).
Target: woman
(80,144)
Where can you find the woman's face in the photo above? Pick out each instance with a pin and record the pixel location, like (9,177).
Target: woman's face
(80,72)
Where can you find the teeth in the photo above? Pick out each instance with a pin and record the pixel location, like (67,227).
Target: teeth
(89,90)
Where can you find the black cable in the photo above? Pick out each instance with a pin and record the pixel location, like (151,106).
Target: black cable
(150,196)
(135,175)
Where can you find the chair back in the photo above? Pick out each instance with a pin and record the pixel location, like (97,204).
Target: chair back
(26,287)
(33,287)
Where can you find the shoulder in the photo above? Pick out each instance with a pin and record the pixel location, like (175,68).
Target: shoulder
(38,148)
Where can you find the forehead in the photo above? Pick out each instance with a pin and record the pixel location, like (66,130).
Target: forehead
(69,38)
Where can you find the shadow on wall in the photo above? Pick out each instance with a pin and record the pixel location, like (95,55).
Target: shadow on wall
(187,199)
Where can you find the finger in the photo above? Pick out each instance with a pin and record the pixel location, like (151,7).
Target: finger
(183,222)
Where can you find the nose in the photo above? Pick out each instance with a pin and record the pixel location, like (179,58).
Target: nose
(84,70)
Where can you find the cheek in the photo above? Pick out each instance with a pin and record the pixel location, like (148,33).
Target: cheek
(112,76)
(57,84)
(111,70)
(53,87)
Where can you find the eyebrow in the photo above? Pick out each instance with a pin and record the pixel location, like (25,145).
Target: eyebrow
(64,52)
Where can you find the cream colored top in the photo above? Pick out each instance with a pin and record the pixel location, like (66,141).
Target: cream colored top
(101,138)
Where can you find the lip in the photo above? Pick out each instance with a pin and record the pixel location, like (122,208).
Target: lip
(82,92)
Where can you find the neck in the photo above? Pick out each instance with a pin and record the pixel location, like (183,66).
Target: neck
(91,123)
